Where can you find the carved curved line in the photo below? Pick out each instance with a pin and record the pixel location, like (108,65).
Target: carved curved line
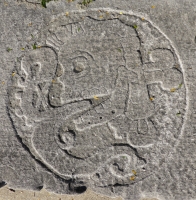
(172,45)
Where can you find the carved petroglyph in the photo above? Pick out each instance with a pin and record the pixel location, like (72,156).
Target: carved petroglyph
(96,98)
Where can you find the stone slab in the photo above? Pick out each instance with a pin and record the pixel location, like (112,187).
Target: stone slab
(99,96)
(10,194)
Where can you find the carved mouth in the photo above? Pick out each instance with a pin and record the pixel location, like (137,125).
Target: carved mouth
(60,95)
(93,101)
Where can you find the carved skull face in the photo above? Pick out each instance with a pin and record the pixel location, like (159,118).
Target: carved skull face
(90,64)
(98,61)
(99,96)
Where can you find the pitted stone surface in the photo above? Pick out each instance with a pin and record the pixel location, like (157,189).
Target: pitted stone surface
(101,100)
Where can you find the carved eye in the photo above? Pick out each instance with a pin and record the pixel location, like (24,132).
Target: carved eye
(78,67)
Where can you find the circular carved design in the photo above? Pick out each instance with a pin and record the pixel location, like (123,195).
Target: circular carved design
(102,100)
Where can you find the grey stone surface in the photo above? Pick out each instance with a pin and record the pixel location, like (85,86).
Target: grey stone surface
(99,96)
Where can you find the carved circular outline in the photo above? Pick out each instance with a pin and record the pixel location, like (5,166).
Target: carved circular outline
(27,139)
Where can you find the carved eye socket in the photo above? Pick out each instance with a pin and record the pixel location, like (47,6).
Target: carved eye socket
(78,67)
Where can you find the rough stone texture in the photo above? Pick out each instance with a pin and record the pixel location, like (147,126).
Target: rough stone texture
(100,97)
(11,194)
